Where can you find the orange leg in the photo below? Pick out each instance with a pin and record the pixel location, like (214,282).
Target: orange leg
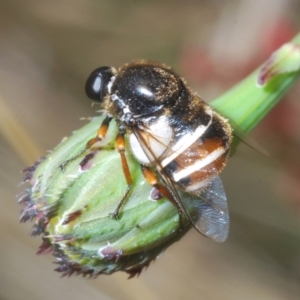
(151,178)
(120,146)
(101,133)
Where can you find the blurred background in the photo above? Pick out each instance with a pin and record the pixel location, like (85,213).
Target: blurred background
(47,50)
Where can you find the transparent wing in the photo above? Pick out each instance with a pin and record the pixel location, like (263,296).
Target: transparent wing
(209,212)
(241,135)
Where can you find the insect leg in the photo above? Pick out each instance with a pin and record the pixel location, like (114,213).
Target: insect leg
(101,133)
(120,146)
(151,178)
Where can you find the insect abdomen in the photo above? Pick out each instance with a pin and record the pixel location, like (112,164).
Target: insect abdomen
(204,159)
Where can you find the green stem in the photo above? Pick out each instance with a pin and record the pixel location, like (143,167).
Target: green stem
(246,104)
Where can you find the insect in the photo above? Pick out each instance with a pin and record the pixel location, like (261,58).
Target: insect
(181,143)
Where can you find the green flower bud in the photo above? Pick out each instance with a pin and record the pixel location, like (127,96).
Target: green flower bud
(72,208)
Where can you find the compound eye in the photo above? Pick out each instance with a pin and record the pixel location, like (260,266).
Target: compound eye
(96,86)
